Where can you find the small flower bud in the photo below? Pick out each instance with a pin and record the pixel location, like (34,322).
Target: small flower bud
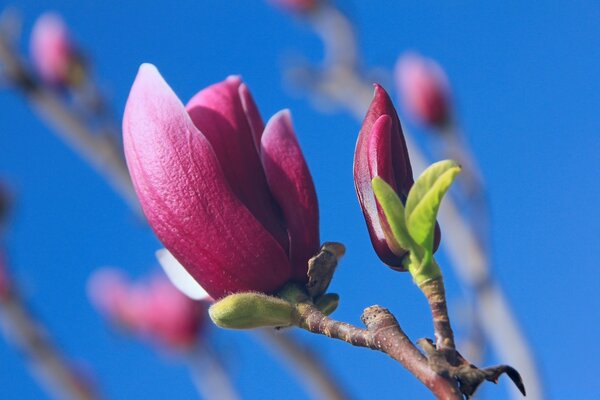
(381,152)
(251,310)
(296,6)
(424,89)
(53,53)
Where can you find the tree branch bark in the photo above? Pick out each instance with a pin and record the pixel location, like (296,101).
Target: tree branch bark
(382,333)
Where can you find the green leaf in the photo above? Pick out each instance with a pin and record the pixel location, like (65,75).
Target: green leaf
(394,212)
(424,200)
(251,310)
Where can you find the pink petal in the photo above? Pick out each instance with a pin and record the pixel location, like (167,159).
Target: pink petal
(292,186)
(296,6)
(424,88)
(51,49)
(187,199)
(382,105)
(381,120)
(380,160)
(107,289)
(252,114)
(5,284)
(218,112)
(176,319)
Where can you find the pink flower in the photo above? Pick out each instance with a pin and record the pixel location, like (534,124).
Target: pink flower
(381,151)
(154,309)
(4,205)
(424,88)
(230,198)
(52,51)
(5,284)
(295,6)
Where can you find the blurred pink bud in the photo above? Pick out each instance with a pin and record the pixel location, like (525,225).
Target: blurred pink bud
(230,198)
(296,6)
(424,88)
(154,308)
(108,291)
(5,286)
(381,151)
(4,204)
(52,51)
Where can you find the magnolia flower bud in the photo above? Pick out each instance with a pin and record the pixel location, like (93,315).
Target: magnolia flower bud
(381,151)
(251,310)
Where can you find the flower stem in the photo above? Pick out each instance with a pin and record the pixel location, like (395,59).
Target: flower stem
(382,333)
(436,296)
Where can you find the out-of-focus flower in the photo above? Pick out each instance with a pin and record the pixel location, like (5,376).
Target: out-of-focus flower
(4,204)
(381,151)
(5,280)
(230,198)
(53,52)
(5,286)
(424,88)
(153,309)
(296,6)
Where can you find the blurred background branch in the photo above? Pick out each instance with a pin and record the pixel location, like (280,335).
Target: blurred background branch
(21,328)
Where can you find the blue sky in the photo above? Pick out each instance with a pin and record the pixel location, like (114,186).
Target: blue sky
(524,78)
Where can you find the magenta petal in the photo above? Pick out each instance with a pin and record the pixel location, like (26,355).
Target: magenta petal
(382,105)
(379,153)
(218,112)
(292,186)
(252,114)
(187,199)
(364,171)
(380,164)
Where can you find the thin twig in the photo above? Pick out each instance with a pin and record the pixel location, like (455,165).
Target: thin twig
(346,86)
(382,333)
(435,293)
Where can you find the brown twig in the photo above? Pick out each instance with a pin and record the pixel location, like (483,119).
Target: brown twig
(382,333)
(436,296)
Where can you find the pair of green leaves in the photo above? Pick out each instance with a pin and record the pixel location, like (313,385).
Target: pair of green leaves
(413,225)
